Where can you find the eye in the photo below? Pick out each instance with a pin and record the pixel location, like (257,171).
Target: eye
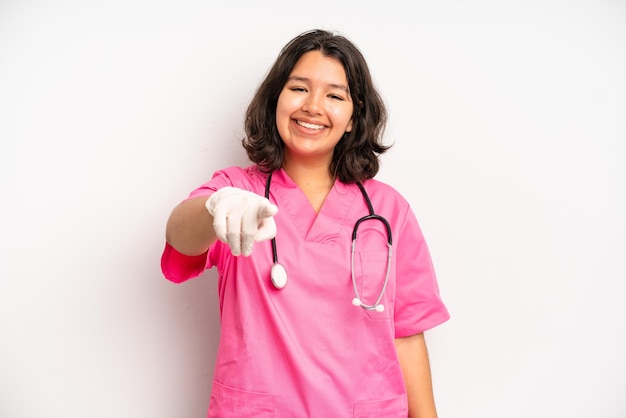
(336,97)
(300,89)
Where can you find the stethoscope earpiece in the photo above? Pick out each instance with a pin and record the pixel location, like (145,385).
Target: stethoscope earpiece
(377,307)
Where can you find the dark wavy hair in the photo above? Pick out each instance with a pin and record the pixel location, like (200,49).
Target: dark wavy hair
(355,157)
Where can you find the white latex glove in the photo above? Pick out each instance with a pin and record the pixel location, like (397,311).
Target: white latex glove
(241,218)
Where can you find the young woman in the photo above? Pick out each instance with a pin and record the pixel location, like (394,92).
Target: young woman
(325,281)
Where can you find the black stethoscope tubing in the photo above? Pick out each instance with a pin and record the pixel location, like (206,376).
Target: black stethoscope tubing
(279,284)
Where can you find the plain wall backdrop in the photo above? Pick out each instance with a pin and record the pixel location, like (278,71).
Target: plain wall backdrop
(508,125)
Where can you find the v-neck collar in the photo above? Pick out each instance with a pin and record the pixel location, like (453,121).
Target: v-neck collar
(322,227)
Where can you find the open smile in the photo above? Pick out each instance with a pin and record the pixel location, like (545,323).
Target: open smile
(310,125)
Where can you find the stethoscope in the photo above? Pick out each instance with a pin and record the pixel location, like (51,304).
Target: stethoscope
(278,273)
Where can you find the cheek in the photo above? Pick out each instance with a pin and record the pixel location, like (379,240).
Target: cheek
(343,119)
(282,124)
(280,111)
(284,107)
(282,118)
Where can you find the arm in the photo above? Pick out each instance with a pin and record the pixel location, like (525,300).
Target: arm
(190,227)
(415,366)
(237,217)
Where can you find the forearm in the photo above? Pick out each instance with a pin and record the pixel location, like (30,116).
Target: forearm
(415,366)
(190,227)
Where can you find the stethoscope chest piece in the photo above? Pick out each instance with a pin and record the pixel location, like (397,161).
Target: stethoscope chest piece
(278,274)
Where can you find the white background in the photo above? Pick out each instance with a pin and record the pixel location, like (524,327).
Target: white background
(509,125)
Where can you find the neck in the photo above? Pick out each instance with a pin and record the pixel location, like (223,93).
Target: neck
(314,180)
(309,175)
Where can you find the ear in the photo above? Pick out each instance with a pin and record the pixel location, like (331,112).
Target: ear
(349,127)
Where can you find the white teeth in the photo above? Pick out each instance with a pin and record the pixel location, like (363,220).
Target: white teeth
(309,125)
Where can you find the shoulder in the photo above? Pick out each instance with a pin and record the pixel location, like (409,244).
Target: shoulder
(246,178)
(238,176)
(388,201)
(379,190)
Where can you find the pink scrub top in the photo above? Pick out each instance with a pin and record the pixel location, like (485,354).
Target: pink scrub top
(306,350)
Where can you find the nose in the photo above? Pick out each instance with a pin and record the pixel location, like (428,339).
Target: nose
(313,104)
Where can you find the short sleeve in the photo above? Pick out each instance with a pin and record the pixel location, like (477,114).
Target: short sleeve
(419,306)
(178,267)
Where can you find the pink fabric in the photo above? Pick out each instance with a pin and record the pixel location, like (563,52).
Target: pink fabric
(306,350)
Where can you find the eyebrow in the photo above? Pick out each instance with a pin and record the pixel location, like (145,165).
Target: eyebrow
(333,85)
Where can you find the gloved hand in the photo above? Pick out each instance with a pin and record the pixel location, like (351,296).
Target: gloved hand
(241,218)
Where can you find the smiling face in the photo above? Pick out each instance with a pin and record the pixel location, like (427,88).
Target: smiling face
(314,109)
